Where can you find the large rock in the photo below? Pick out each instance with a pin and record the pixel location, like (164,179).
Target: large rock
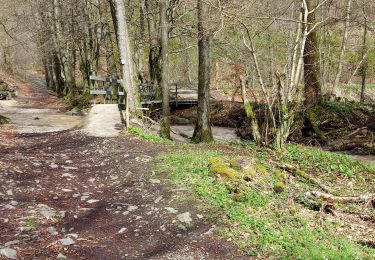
(9,253)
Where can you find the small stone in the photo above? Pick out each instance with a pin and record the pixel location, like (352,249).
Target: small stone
(9,207)
(9,252)
(14,203)
(122,230)
(171,210)
(85,197)
(10,243)
(185,218)
(53,166)
(10,192)
(132,208)
(199,216)
(52,230)
(92,201)
(158,199)
(67,241)
(61,257)
(155,181)
(182,227)
(66,190)
(25,229)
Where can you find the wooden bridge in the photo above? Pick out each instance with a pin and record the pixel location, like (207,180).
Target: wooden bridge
(181,93)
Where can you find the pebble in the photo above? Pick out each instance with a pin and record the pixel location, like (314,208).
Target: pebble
(155,181)
(13,242)
(158,199)
(67,241)
(171,210)
(54,166)
(52,230)
(122,230)
(25,229)
(185,218)
(92,201)
(132,208)
(61,257)
(9,252)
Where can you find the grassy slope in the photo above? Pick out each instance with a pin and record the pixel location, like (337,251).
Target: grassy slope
(268,224)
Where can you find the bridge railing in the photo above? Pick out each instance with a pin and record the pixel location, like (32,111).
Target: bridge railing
(108,88)
(148,92)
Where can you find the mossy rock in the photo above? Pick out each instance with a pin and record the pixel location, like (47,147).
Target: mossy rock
(279,187)
(219,167)
(249,172)
(300,173)
(262,169)
(239,197)
(279,175)
(4,120)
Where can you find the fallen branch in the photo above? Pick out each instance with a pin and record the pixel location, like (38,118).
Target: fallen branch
(298,173)
(342,199)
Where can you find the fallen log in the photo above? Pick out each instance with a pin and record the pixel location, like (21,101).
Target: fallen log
(298,173)
(342,199)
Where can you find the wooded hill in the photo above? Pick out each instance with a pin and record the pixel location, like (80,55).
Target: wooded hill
(289,56)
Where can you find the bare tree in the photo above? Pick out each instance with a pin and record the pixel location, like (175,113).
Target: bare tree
(125,54)
(165,123)
(343,45)
(313,88)
(202,131)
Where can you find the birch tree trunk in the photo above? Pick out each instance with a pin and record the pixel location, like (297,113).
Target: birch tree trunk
(165,129)
(202,131)
(125,55)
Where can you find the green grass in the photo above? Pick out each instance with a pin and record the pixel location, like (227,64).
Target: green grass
(31,222)
(148,136)
(345,107)
(266,224)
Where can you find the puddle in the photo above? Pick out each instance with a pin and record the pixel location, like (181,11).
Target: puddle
(39,120)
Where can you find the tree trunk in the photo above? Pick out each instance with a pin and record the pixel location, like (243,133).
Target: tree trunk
(313,88)
(154,52)
(364,50)
(202,131)
(255,133)
(165,129)
(125,54)
(343,46)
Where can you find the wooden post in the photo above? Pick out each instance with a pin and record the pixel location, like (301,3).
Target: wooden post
(176,95)
(127,110)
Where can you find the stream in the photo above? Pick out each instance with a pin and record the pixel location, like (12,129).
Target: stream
(229,134)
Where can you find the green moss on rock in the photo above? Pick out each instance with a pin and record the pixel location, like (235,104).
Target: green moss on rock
(279,187)
(218,166)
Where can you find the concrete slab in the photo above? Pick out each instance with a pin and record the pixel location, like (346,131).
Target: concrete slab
(103,121)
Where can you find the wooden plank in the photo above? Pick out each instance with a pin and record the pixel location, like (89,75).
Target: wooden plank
(106,92)
(184,84)
(98,92)
(104,79)
(180,92)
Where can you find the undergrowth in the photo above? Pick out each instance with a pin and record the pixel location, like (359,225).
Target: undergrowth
(148,136)
(264,224)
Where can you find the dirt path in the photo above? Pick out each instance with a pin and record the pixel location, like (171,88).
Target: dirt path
(70,195)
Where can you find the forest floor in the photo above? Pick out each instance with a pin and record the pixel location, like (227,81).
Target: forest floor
(63,193)
(138,196)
